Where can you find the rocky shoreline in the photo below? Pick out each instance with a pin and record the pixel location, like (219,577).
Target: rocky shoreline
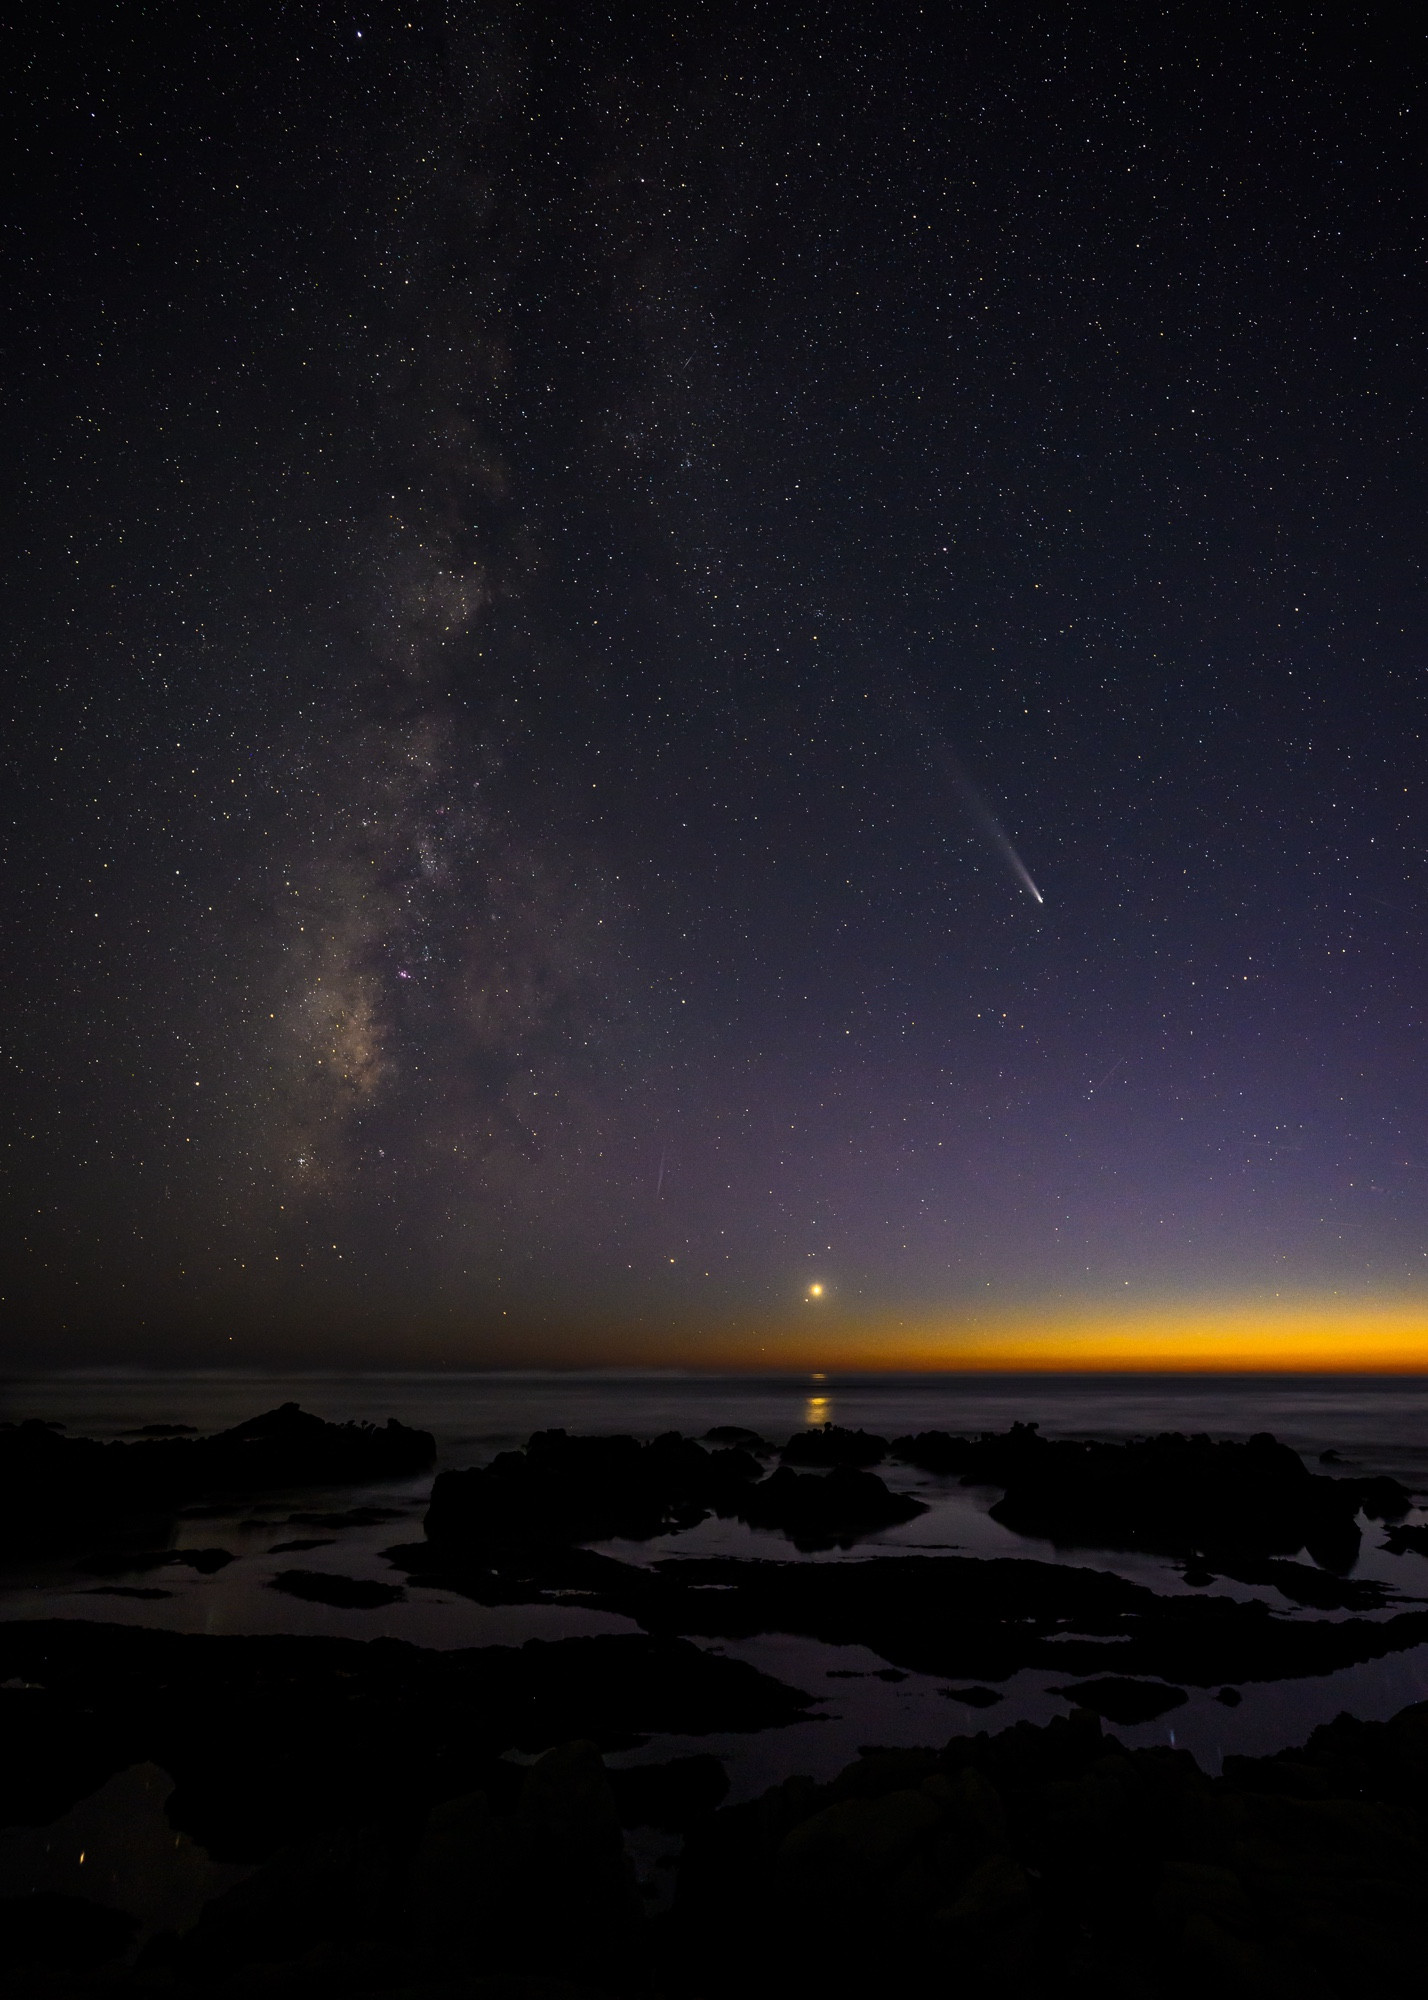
(445,1823)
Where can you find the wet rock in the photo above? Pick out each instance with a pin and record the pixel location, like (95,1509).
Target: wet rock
(351,1593)
(830,1445)
(1121,1700)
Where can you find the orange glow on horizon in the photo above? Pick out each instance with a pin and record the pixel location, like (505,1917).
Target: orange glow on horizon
(1309,1337)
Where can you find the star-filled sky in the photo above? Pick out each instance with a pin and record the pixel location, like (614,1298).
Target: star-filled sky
(660,656)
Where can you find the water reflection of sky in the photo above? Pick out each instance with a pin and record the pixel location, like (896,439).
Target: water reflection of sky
(1375,1425)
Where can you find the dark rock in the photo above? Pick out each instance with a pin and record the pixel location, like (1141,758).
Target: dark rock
(57,1751)
(352,1593)
(1231,1697)
(959,1617)
(673,1795)
(301,1547)
(161,1431)
(265,1735)
(829,1445)
(974,1697)
(737,1435)
(59,1492)
(562,1490)
(1302,1584)
(546,1890)
(1125,1701)
(825,1512)
(1053,1860)
(1192,1497)
(1407,1539)
(342,1883)
(64,1933)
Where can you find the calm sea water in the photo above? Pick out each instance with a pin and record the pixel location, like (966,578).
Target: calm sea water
(1383,1420)
(1373,1422)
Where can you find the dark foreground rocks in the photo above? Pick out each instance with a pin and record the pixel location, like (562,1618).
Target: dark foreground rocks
(561,1491)
(59,1493)
(1027,1865)
(1053,1861)
(262,1735)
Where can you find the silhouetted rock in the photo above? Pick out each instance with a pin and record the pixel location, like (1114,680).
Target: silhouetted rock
(563,1489)
(61,1492)
(352,1593)
(527,1505)
(974,1697)
(1185,1496)
(1124,1701)
(829,1445)
(825,1512)
(301,1546)
(735,1434)
(1407,1539)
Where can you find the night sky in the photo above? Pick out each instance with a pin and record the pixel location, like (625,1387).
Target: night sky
(659,656)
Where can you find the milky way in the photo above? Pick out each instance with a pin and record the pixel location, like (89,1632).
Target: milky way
(485,492)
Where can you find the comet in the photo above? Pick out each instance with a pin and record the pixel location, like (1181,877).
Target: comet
(982,816)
